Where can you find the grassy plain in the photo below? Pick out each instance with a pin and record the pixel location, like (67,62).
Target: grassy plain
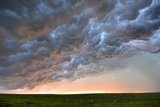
(81,100)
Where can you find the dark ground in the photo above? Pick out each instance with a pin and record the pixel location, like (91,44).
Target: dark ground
(81,100)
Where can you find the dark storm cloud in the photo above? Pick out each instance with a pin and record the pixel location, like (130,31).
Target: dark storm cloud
(45,40)
(32,18)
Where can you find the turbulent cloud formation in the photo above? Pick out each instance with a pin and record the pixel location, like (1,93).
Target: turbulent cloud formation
(51,40)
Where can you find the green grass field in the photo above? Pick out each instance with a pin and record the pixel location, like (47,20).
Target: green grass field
(81,100)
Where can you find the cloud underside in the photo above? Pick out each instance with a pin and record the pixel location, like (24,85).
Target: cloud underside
(139,73)
(52,40)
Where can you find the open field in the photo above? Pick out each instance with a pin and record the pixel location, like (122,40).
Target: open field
(81,100)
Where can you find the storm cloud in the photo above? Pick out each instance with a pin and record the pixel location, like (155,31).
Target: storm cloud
(51,40)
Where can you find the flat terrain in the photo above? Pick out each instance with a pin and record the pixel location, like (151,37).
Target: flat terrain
(81,100)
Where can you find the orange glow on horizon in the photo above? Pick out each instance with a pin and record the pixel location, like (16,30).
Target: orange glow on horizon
(98,84)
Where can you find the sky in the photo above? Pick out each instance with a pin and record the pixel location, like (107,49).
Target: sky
(79,46)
